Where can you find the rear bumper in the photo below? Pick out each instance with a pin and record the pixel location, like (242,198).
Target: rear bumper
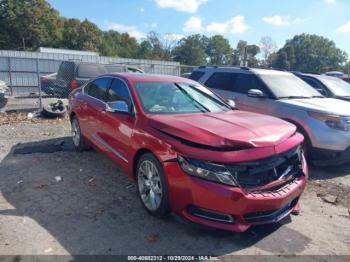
(245,208)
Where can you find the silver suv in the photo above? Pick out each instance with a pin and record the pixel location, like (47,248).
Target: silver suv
(325,122)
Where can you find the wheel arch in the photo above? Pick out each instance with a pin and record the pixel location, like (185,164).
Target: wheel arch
(137,157)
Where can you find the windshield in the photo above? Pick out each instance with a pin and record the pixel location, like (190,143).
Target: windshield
(337,86)
(289,86)
(178,98)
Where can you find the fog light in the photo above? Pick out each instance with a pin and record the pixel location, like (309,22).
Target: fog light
(210,215)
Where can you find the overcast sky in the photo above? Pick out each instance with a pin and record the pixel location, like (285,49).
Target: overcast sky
(235,19)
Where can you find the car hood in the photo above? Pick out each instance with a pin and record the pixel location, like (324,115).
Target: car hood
(324,105)
(224,130)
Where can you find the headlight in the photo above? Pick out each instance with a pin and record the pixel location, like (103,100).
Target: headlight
(206,170)
(333,121)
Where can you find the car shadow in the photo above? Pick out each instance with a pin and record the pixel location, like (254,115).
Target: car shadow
(325,173)
(91,208)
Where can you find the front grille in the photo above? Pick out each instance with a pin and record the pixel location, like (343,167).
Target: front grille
(270,216)
(259,173)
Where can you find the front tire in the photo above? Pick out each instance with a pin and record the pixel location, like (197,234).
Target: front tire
(77,137)
(151,185)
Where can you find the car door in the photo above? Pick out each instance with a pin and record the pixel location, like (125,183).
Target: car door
(235,85)
(94,106)
(118,126)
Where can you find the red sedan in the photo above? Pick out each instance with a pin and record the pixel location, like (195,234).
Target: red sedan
(190,152)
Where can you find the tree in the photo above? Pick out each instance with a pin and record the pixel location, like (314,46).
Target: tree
(310,53)
(245,52)
(29,25)
(219,50)
(157,47)
(191,50)
(81,35)
(267,47)
(114,43)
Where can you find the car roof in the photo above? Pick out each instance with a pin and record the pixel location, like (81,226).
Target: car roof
(137,77)
(270,72)
(243,69)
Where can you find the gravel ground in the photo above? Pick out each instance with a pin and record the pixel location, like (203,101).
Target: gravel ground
(95,209)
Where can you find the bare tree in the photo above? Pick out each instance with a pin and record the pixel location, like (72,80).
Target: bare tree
(267,47)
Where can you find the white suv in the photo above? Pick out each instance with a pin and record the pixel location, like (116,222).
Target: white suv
(324,122)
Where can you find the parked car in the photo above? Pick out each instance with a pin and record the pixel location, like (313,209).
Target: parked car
(335,74)
(3,94)
(346,79)
(189,152)
(48,83)
(73,74)
(324,122)
(340,75)
(327,85)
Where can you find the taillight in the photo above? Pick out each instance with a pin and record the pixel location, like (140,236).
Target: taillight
(74,84)
(45,80)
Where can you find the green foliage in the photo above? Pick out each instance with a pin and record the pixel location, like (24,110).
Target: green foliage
(310,53)
(219,51)
(246,52)
(81,35)
(29,24)
(114,43)
(191,50)
(154,47)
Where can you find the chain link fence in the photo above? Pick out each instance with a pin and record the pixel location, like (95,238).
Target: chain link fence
(37,79)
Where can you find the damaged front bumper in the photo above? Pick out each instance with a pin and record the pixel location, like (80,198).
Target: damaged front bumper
(235,208)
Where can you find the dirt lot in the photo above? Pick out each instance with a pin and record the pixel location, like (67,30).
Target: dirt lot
(95,210)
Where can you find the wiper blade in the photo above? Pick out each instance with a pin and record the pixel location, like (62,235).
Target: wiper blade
(294,97)
(196,103)
(317,96)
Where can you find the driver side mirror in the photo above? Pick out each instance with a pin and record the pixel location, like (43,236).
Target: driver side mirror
(256,93)
(117,107)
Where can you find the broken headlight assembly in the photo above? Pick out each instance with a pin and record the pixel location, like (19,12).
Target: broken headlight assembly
(206,170)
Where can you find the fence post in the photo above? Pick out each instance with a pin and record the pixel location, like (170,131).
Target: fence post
(39,84)
(10,74)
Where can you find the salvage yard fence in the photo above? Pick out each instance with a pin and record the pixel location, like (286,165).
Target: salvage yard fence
(23,70)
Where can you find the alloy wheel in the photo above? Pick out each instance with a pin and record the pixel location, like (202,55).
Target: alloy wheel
(75,132)
(149,185)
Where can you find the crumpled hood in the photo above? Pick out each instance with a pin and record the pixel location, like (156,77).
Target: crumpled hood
(226,129)
(324,105)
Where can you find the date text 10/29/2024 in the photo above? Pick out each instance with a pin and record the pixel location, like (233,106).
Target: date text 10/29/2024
(172,258)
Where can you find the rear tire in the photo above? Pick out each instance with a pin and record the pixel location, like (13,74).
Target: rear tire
(151,186)
(77,137)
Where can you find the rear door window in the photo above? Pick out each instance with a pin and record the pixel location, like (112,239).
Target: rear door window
(90,70)
(222,81)
(98,88)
